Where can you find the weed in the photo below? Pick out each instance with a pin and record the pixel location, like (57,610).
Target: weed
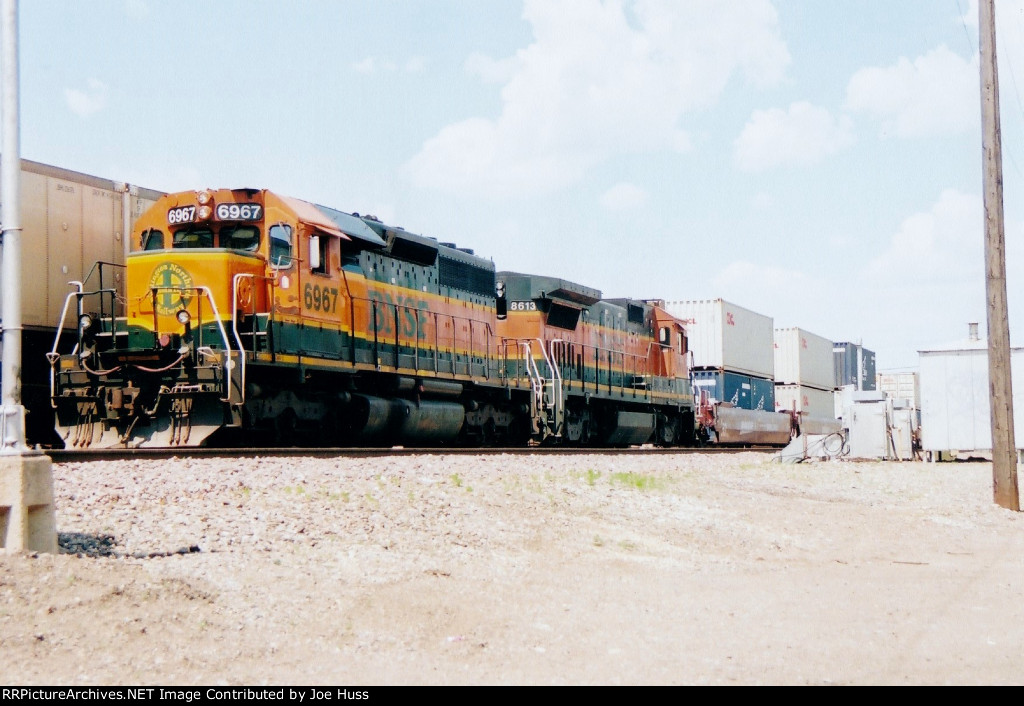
(592,476)
(456,480)
(598,541)
(638,481)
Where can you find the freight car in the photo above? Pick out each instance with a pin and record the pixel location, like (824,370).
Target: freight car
(255,316)
(73,229)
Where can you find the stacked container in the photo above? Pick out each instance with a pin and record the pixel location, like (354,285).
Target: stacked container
(733,359)
(854,365)
(804,373)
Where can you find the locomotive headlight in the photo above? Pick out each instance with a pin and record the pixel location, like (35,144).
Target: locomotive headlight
(204,197)
(85,322)
(204,212)
(183,317)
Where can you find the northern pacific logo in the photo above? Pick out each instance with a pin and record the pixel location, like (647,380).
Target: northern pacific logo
(173,286)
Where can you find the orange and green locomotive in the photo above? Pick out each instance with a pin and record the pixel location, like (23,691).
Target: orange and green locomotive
(257,318)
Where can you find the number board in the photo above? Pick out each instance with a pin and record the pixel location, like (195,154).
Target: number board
(522,306)
(239,211)
(181,214)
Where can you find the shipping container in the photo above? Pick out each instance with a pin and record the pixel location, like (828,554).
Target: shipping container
(723,386)
(809,401)
(803,358)
(724,336)
(742,391)
(762,394)
(853,365)
(901,386)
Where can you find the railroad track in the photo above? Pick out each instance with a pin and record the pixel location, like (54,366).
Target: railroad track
(69,455)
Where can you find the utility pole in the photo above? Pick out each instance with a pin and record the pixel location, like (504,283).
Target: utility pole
(1004,452)
(26,476)
(12,422)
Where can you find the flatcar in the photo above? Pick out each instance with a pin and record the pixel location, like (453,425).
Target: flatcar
(252,316)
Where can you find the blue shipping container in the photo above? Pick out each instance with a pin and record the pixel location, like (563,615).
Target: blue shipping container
(762,394)
(724,386)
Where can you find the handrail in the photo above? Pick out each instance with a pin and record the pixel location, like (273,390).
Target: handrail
(208,294)
(645,369)
(420,315)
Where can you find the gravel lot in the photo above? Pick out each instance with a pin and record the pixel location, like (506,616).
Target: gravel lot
(553,569)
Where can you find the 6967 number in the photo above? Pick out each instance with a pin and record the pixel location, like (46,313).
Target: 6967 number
(317,298)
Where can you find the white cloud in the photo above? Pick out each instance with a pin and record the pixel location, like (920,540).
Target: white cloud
(936,94)
(803,135)
(623,197)
(490,70)
(89,101)
(601,78)
(943,244)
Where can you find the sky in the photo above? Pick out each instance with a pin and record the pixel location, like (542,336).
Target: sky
(816,162)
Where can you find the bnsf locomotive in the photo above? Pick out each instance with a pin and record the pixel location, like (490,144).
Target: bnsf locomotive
(255,317)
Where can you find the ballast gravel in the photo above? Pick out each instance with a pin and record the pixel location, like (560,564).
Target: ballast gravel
(518,569)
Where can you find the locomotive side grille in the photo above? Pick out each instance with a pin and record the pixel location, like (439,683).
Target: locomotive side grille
(464,276)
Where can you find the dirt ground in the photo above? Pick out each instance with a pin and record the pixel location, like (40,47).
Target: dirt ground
(472,570)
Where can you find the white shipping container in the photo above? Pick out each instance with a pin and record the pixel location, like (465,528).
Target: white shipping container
(803,358)
(725,336)
(901,386)
(809,401)
(955,413)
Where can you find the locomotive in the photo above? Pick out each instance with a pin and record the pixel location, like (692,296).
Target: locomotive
(250,316)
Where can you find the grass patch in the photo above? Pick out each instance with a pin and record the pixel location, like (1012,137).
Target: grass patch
(638,481)
(592,476)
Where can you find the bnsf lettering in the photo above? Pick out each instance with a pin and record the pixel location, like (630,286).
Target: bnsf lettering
(411,317)
(317,298)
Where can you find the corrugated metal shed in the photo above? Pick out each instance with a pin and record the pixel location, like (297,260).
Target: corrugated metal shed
(803,358)
(728,337)
(955,413)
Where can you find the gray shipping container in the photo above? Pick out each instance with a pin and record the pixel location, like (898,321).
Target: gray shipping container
(803,358)
(809,401)
(724,336)
(854,365)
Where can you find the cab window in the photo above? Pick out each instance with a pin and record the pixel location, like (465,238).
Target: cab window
(239,237)
(193,238)
(153,239)
(281,246)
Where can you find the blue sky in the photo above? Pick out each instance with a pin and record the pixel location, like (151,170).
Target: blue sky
(816,162)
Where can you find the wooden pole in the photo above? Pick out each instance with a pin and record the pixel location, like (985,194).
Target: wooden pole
(1004,453)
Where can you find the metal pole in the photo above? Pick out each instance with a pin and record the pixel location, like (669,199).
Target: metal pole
(12,439)
(1004,457)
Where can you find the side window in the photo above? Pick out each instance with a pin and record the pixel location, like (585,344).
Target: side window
(153,239)
(665,336)
(281,246)
(319,249)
